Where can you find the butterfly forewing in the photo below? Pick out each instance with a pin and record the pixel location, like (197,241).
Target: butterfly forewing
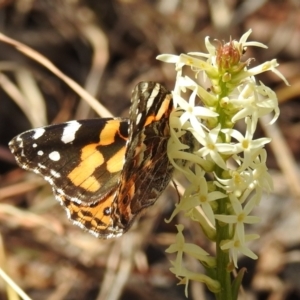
(80,159)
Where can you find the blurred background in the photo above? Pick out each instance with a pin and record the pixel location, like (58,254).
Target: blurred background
(107,47)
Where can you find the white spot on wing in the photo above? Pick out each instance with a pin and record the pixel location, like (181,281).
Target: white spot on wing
(40,153)
(154,93)
(70,130)
(34,145)
(38,133)
(144,87)
(11,146)
(55,156)
(20,140)
(60,192)
(47,178)
(41,166)
(54,173)
(138,118)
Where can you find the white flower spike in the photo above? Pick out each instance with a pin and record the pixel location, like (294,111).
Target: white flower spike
(207,117)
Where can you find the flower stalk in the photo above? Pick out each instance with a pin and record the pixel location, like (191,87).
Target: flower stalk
(204,143)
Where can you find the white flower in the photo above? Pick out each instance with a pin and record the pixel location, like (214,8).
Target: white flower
(262,180)
(236,246)
(212,148)
(245,143)
(255,101)
(237,183)
(266,66)
(240,217)
(191,113)
(186,275)
(243,44)
(177,151)
(180,247)
(195,196)
(184,83)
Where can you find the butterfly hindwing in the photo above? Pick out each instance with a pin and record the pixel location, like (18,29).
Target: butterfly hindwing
(147,170)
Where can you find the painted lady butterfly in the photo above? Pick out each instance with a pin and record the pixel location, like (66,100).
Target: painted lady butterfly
(105,171)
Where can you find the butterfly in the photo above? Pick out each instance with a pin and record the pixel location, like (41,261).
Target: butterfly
(105,172)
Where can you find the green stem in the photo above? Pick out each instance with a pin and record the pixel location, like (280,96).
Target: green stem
(222,273)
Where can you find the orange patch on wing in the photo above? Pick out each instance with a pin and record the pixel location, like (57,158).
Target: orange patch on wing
(82,175)
(127,189)
(107,134)
(92,217)
(116,162)
(164,107)
(162,110)
(131,190)
(150,119)
(91,158)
